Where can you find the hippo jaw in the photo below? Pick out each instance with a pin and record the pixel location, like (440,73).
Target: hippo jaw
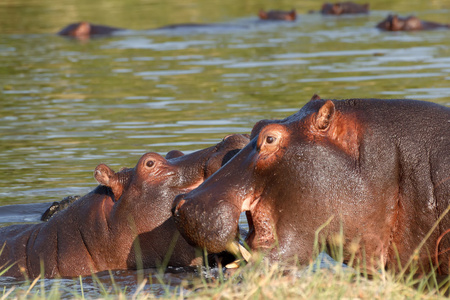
(221,225)
(208,216)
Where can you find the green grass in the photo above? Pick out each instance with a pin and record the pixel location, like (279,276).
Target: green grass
(257,280)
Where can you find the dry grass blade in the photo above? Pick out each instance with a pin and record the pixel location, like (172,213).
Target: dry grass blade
(7,293)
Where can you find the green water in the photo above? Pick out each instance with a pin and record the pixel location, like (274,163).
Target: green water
(68,105)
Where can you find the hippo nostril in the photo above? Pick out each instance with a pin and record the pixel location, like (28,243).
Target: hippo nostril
(177,203)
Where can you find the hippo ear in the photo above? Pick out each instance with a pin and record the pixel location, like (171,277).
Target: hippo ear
(174,154)
(315,97)
(325,115)
(83,29)
(107,177)
(262,14)
(293,14)
(104,174)
(337,8)
(395,23)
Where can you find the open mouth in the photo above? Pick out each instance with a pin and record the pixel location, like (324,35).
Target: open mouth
(248,206)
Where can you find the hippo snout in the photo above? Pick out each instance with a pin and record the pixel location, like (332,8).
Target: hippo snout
(209,225)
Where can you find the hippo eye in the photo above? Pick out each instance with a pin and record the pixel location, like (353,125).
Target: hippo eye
(150,163)
(270,139)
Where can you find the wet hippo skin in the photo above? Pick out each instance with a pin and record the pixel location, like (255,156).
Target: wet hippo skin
(278,15)
(396,23)
(85,29)
(131,207)
(58,206)
(379,168)
(340,8)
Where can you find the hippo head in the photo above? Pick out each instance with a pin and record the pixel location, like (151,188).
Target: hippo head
(283,164)
(332,8)
(278,15)
(142,196)
(157,179)
(347,7)
(84,30)
(396,23)
(81,30)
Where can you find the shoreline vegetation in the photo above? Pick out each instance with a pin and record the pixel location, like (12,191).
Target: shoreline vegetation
(250,277)
(261,280)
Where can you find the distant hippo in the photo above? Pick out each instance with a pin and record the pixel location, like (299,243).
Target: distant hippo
(124,223)
(340,8)
(396,23)
(278,15)
(85,30)
(377,170)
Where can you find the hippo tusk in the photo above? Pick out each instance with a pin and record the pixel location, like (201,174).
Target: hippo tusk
(238,250)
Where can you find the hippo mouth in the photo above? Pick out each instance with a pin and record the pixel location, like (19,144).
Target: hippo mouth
(250,203)
(248,206)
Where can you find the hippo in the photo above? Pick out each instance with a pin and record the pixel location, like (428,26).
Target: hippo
(410,23)
(58,206)
(370,173)
(124,223)
(278,15)
(83,30)
(340,8)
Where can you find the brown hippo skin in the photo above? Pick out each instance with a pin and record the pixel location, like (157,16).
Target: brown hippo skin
(84,30)
(58,206)
(380,168)
(340,8)
(278,15)
(396,23)
(131,207)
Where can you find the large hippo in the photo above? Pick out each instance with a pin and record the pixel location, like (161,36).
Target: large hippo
(379,170)
(124,223)
(410,23)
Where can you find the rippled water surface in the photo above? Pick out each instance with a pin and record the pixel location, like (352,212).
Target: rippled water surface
(68,105)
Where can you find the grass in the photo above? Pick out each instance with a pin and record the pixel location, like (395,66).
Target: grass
(257,280)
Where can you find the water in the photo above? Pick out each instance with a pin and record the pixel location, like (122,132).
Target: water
(68,105)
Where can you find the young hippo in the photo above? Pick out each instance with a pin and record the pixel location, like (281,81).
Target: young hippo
(278,15)
(396,23)
(58,206)
(83,30)
(124,223)
(375,171)
(340,8)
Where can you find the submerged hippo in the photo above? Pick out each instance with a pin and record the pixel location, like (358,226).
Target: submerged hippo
(376,169)
(124,223)
(86,29)
(278,15)
(396,23)
(340,8)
